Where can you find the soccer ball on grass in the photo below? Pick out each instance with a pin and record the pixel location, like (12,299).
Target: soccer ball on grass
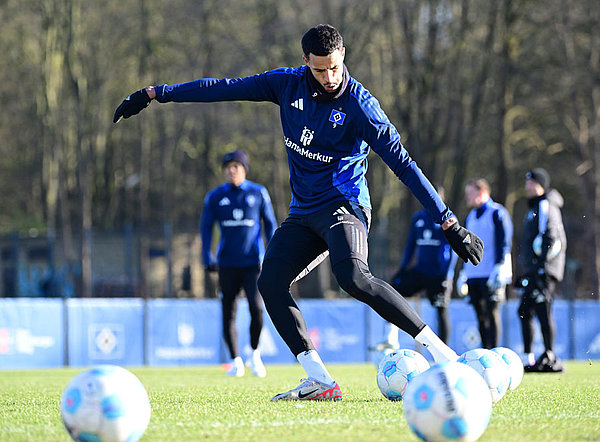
(450,401)
(396,369)
(105,403)
(491,367)
(514,363)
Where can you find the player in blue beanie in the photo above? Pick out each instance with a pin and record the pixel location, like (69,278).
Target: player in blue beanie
(238,206)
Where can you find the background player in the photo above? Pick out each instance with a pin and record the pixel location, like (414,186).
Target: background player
(487,282)
(238,206)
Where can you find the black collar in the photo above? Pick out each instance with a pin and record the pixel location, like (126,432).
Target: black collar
(535,200)
(318,93)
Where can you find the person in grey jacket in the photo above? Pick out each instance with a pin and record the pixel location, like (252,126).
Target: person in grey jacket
(542,264)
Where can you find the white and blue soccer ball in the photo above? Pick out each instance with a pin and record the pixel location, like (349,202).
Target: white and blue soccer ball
(491,367)
(450,401)
(397,369)
(105,403)
(514,363)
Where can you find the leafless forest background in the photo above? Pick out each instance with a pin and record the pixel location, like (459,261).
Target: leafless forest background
(476,88)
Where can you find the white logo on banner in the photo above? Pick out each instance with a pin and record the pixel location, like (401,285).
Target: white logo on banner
(106,341)
(185,334)
(185,338)
(27,343)
(334,340)
(22,341)
(471,337)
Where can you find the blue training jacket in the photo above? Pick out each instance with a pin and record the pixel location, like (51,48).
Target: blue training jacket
(327,143)
(238,212)
(426,240)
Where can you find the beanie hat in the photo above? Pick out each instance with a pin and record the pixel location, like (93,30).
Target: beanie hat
(539,175)
(237,156)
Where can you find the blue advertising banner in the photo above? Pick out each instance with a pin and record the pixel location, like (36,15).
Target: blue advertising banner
(337,329)
(105,331)
(586,330)
(165,332)
(272,348)
(31,333)
(184,332)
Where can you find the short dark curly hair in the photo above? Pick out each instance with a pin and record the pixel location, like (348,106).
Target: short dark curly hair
(321,40)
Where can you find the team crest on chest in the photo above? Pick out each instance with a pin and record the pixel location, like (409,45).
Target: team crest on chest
(337,117)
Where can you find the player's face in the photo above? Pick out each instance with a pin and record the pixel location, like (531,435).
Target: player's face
(473,196)
(533,188)
(234,172)
(328,70)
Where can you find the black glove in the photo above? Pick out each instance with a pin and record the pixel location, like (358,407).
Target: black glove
(212,268)
(466,244)
(132,105)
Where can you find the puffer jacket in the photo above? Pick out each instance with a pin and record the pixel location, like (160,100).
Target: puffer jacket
(544,242)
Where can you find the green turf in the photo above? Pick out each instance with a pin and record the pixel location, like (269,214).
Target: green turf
(200,403)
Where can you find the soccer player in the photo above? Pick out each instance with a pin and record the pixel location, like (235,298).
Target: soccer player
(542,260)
(487,282)
(238,206)
(330,122)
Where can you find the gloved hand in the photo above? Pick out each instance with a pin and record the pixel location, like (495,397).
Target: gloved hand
(132,105)
(462,289)
(466,244)
(211,268)
(495,281)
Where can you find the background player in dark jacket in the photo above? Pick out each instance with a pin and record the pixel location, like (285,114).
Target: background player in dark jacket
(432,269)
(487,282)
(238,206)
(330,123)
(542,264)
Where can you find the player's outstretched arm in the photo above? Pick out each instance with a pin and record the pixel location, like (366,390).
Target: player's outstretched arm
(134,103)
(467,245)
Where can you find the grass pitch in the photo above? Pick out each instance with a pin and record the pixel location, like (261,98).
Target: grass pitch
(200,403)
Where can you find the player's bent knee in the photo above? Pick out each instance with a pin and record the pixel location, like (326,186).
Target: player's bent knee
(351,275)
(272,281)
